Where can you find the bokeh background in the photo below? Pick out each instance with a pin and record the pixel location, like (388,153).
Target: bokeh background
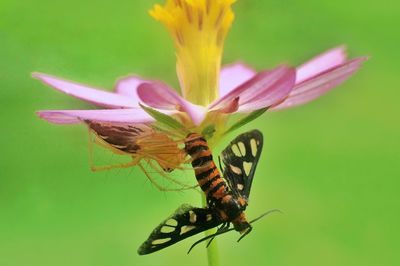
(332,166)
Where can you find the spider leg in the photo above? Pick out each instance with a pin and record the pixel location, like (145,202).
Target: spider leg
(166,163)
(95,139)
(94,168)
(160,172)
(155,183)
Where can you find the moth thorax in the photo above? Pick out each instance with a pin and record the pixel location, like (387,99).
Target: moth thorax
(195,143)
(231,208)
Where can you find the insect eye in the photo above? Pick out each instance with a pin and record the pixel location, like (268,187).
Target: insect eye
(243,227)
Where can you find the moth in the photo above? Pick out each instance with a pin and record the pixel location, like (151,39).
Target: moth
(227,195)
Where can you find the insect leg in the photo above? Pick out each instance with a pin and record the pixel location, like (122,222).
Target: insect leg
(160,172)
(225,230)
(219,162)
(245,233)
(166,163)
(158,186)
(223,227)
(94,168)
(95,139)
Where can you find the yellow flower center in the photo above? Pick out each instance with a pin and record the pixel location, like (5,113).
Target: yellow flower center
(199,28)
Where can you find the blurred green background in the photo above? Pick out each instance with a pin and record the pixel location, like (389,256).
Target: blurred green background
(332,166)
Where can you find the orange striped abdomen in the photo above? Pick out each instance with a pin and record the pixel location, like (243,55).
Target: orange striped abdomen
(207,174)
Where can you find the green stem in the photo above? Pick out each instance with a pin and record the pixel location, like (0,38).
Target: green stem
(212,250)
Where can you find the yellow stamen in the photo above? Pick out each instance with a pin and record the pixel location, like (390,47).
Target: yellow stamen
(199,28)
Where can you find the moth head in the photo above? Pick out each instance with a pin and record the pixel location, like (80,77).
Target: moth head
(241,224)
(243,227)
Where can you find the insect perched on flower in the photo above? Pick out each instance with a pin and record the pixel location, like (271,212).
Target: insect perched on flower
(210,93)
(130,118)
(227,195)
(145,145)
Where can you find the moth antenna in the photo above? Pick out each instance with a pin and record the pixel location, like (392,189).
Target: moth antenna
(226,230)
(256,219)
(265,214)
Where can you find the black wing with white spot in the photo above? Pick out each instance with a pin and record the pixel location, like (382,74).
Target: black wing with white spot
(240,159)
(185,222)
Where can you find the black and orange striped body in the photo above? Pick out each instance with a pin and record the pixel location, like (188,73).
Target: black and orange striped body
(207,173)
(226,194)
(219,196)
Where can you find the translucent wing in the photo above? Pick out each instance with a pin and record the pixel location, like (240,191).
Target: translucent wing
(240,159)
(185,222)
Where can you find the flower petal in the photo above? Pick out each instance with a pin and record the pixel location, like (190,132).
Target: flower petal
(83,92)
(321,63)
(234,75)
(136,115)
(320,84)
(161,96)
(127,86)
(263,90)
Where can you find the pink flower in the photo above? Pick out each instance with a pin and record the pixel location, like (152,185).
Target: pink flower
(209,92)
(241,90)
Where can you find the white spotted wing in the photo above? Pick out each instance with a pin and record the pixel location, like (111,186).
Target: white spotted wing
(240,160)
(186,221)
